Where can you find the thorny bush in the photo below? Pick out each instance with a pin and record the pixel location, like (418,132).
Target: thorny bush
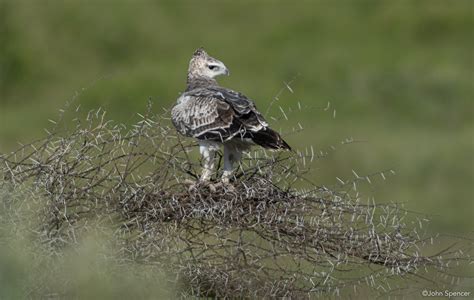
(263,237)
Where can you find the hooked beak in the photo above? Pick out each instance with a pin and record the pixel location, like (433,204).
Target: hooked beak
(227,72)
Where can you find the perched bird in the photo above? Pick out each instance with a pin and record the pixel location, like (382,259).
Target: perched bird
(215,115)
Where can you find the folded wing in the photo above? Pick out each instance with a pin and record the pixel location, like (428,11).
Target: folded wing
(219,114)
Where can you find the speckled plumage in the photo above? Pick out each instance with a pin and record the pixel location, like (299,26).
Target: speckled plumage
(214,114)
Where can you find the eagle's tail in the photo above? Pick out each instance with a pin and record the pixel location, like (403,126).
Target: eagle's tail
(269,138)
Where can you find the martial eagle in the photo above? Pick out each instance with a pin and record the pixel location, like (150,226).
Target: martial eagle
(215,115)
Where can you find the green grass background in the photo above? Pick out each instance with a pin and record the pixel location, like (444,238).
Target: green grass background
(398,73)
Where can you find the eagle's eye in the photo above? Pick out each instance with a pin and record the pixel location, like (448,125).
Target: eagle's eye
(212,67)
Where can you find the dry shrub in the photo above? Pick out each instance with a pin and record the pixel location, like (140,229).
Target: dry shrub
(260,237)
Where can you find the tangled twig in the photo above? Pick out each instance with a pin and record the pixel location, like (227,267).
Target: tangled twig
(264,237)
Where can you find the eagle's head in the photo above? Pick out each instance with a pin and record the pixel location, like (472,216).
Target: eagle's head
(203,65)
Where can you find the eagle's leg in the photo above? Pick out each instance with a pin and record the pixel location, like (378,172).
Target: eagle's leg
(231,155)
(208,158)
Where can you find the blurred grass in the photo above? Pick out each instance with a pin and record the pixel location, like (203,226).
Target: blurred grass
(398,73)
(81,273)
(89,268)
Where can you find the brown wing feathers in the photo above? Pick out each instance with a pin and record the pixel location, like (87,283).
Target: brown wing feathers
(219,114)
(268,138)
